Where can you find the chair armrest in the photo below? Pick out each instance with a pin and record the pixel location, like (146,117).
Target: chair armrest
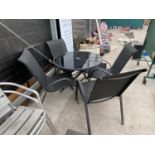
(100,70)
(62,80)
(105,71)
(36,100)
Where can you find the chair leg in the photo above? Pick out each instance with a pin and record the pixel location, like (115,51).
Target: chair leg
(76,93)
(55,70)
(121,110)
(87,118)
(51,125)
(44,96)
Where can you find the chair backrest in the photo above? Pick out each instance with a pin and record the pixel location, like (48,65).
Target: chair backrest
(139,48)
(113,85)
(126,53)
(30,62)
(57,47)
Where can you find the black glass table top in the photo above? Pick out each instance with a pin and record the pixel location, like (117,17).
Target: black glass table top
(78,61)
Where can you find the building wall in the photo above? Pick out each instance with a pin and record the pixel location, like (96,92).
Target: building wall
(34,32)
(132,23)
(80,30)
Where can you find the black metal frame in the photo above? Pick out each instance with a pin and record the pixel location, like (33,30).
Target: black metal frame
(148,76)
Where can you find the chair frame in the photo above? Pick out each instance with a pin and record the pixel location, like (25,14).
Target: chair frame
(119,94)
(87,112)
(43,79)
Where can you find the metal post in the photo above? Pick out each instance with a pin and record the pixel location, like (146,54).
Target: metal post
(53,27)
(99,33)
(149,69)
(51,125)
(76,92)
(121,109)
(44,96)
(87,117)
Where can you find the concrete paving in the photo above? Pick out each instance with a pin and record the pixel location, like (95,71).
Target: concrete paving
(139,104)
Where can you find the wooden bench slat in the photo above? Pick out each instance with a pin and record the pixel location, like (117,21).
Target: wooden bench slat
(4,101)
(31,122)
(15,127)
(11,119)
(5,109)
(5,113)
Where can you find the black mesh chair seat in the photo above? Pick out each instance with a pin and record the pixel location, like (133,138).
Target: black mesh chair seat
(108,87)
(100,72)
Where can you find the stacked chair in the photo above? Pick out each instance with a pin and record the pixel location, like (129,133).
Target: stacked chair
(22,120)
